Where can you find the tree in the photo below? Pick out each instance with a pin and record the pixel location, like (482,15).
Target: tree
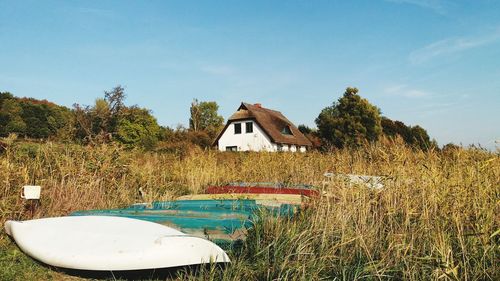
(10,117)
(101,116)
(420,138)
(16,125)
(115,99)
(311,134)
(31,117)
(450,147)
(116,102)
(350,121)
(137,127)
(304,129)
(204,117)
(83,122)
(5,96)
(101,120)
(415,136)
(35,116)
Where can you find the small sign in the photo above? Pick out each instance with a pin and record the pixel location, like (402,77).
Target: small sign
(31,192)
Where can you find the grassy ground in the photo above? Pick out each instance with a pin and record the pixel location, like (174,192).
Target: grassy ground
(437,217)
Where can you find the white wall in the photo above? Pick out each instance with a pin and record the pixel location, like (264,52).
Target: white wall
(255,141)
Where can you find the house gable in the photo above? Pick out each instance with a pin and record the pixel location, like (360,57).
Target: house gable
(255,140)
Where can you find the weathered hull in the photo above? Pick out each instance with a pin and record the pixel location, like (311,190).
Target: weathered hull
(262,190)
(270,199)
(221,221)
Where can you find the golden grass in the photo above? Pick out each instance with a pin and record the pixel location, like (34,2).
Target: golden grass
(437,218)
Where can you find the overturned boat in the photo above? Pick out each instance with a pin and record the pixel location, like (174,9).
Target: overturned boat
(102,243)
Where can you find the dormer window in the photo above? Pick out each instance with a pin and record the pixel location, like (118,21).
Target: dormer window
(286,131)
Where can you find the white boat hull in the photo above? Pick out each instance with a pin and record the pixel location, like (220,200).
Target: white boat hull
(110,244)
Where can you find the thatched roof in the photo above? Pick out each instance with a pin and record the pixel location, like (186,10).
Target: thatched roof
(274,124)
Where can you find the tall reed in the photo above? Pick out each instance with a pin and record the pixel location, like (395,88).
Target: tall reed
(436,218)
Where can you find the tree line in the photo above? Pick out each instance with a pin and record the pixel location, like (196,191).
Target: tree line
(351,121)
(109,119)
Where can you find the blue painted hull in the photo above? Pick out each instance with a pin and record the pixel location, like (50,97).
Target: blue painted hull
(222,221)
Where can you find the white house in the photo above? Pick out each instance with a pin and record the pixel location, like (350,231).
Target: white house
(254,128)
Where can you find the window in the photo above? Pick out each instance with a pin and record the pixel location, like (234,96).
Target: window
(237,128)
(231,148)
(280,147)
(286,131)
(249,127)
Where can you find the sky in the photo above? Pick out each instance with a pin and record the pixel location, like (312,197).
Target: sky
(433,63)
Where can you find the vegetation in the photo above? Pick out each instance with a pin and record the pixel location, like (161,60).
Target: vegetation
(436,218)
(349,122)
(352,121)
(32,118)
(107,120)
(204,117)
(312,134)
(415,136)
(110,119)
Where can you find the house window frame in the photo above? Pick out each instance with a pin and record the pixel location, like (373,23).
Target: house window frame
(237,128)
(249,125)
(232,148)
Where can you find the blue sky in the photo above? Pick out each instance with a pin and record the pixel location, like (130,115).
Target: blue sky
(435,63)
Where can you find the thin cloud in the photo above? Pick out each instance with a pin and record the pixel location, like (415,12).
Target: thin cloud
(438,6)
(403,90)
(452,46)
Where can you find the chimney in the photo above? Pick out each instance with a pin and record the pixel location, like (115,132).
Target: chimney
(258,105)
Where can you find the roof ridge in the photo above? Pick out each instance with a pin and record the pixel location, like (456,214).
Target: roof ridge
(260,107)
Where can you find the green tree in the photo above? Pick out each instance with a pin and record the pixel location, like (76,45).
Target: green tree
(31,117)
(420,138)
(11,120)
(83,122)
(450,147)
(350,121)
(100,121)
(415,136)
(16,125)
(5,96)
(116,102)
(204,117)
(35,116)
(304,129)
(137,127)
(101,117)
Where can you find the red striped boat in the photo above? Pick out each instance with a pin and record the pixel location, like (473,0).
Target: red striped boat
(263,188)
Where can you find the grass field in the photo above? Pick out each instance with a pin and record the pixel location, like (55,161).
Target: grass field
(437,217)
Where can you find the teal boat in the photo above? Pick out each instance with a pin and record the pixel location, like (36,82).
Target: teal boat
(221,221)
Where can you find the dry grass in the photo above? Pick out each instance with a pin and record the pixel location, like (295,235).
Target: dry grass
(437,217)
